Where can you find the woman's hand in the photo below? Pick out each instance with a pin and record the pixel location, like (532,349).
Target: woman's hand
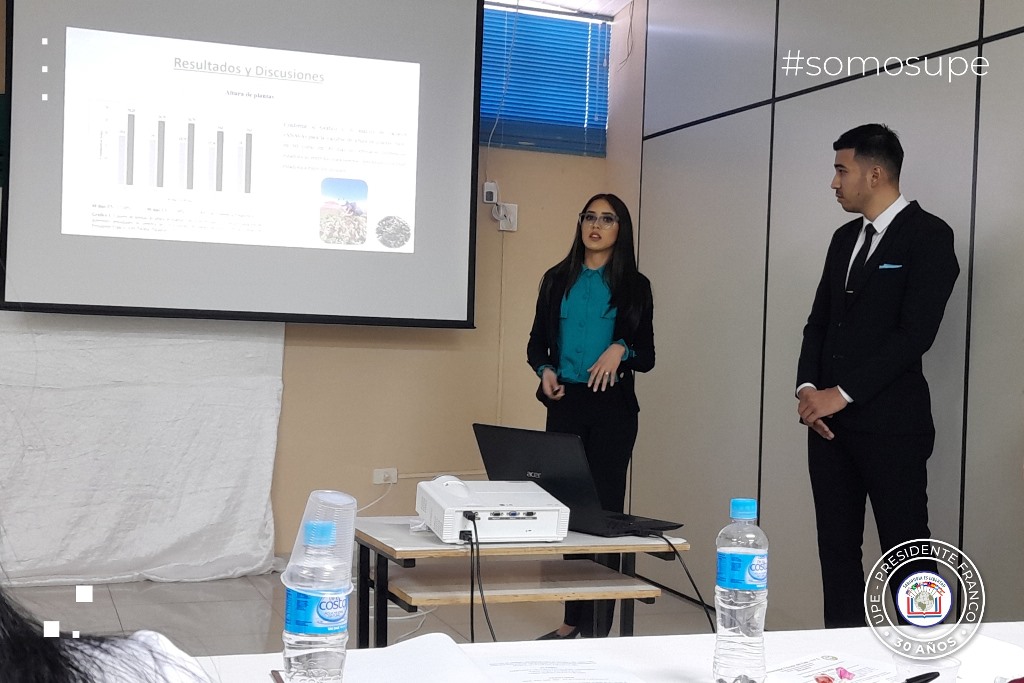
(604,372)
(550,386)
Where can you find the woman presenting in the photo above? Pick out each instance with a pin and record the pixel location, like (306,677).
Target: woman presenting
(593,329)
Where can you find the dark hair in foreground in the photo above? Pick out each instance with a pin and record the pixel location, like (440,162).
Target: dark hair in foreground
(620,273)
(27,657)
(877,142)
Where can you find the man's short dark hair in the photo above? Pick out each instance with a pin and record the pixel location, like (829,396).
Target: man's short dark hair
(877,142)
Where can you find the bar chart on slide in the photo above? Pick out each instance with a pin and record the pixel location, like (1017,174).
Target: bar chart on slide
(216,156)
(136,148)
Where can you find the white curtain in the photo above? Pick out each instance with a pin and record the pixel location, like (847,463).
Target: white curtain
(136,448)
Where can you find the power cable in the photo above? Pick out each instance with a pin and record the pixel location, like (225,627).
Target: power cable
(693,583)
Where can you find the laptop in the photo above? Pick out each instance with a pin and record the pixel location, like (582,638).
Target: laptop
(558,464)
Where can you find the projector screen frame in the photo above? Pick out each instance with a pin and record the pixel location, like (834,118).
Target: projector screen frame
(464,321)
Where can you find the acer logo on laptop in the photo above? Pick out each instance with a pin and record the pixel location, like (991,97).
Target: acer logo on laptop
(534,475)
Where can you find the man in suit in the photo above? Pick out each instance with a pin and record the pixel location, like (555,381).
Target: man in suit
(860,385)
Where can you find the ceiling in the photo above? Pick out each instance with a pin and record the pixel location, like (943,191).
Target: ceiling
(607,8)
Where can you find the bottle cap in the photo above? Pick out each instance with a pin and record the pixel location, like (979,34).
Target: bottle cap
(320,532)
(743,508)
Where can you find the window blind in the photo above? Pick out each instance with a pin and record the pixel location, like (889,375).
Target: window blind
(544,83)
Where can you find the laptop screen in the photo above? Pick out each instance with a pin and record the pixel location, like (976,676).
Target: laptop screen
(556,462)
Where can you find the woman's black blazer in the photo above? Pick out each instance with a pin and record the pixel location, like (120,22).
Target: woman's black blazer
(542,349)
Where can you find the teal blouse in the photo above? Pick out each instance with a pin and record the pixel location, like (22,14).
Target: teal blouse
(586,325)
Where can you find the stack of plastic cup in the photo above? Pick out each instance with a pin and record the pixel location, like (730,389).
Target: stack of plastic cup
(319,581)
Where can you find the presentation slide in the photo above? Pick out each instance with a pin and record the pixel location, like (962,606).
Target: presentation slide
(261,150)
(243,159)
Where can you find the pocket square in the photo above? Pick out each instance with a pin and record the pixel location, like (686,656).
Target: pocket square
(890,266)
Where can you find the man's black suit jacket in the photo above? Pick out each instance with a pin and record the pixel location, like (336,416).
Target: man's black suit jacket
(871,342)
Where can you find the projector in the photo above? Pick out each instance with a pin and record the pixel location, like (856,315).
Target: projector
(504,511)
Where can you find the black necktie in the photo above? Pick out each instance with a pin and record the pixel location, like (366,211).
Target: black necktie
(857,269)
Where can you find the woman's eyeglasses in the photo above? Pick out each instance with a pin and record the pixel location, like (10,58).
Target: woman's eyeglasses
(604,221)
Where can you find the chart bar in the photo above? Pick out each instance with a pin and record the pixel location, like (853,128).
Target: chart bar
(220,160)
(248,163)
(161,130)
(130,152)
(190,174)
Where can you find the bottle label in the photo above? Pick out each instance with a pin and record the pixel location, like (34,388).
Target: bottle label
(743,570)
(315,613)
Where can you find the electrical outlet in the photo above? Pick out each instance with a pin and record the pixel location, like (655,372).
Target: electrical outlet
(509,220)
(386,475)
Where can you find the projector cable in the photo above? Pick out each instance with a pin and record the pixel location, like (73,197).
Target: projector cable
(693,583)
(476,578)
(468,536)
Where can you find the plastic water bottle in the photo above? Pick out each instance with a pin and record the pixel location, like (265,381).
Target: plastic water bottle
(741,596)
(318,581)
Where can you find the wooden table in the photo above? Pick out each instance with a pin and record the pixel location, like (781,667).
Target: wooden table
(528,576)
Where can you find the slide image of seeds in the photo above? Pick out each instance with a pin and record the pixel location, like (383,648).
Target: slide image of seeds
(393,231)
(343,211)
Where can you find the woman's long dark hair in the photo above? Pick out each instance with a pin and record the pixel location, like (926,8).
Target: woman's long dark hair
(620,273)
(26,656)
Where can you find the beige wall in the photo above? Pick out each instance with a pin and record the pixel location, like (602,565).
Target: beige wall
(626,105)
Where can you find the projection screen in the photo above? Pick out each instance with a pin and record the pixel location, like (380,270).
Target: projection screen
(252,159)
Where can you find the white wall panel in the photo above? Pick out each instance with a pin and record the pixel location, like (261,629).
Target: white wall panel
(702,243)
(705,58)
(689,450)
(804,216)
(1003,15)
(995,436)
(865,29)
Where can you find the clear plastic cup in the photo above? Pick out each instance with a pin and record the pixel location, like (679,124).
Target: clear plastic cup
(326,536)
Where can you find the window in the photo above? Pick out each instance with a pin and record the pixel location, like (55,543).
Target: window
(544,80)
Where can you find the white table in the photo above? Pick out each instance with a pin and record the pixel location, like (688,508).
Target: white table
(651,659)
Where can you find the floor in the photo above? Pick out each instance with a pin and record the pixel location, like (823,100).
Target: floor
(246,615)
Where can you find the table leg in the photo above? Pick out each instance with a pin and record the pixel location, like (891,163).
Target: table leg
(380,602)
(626,614)
(363,598)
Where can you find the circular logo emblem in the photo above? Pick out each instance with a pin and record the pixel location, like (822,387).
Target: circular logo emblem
(925,600)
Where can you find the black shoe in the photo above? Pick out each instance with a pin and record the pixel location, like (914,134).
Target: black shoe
(554,635)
